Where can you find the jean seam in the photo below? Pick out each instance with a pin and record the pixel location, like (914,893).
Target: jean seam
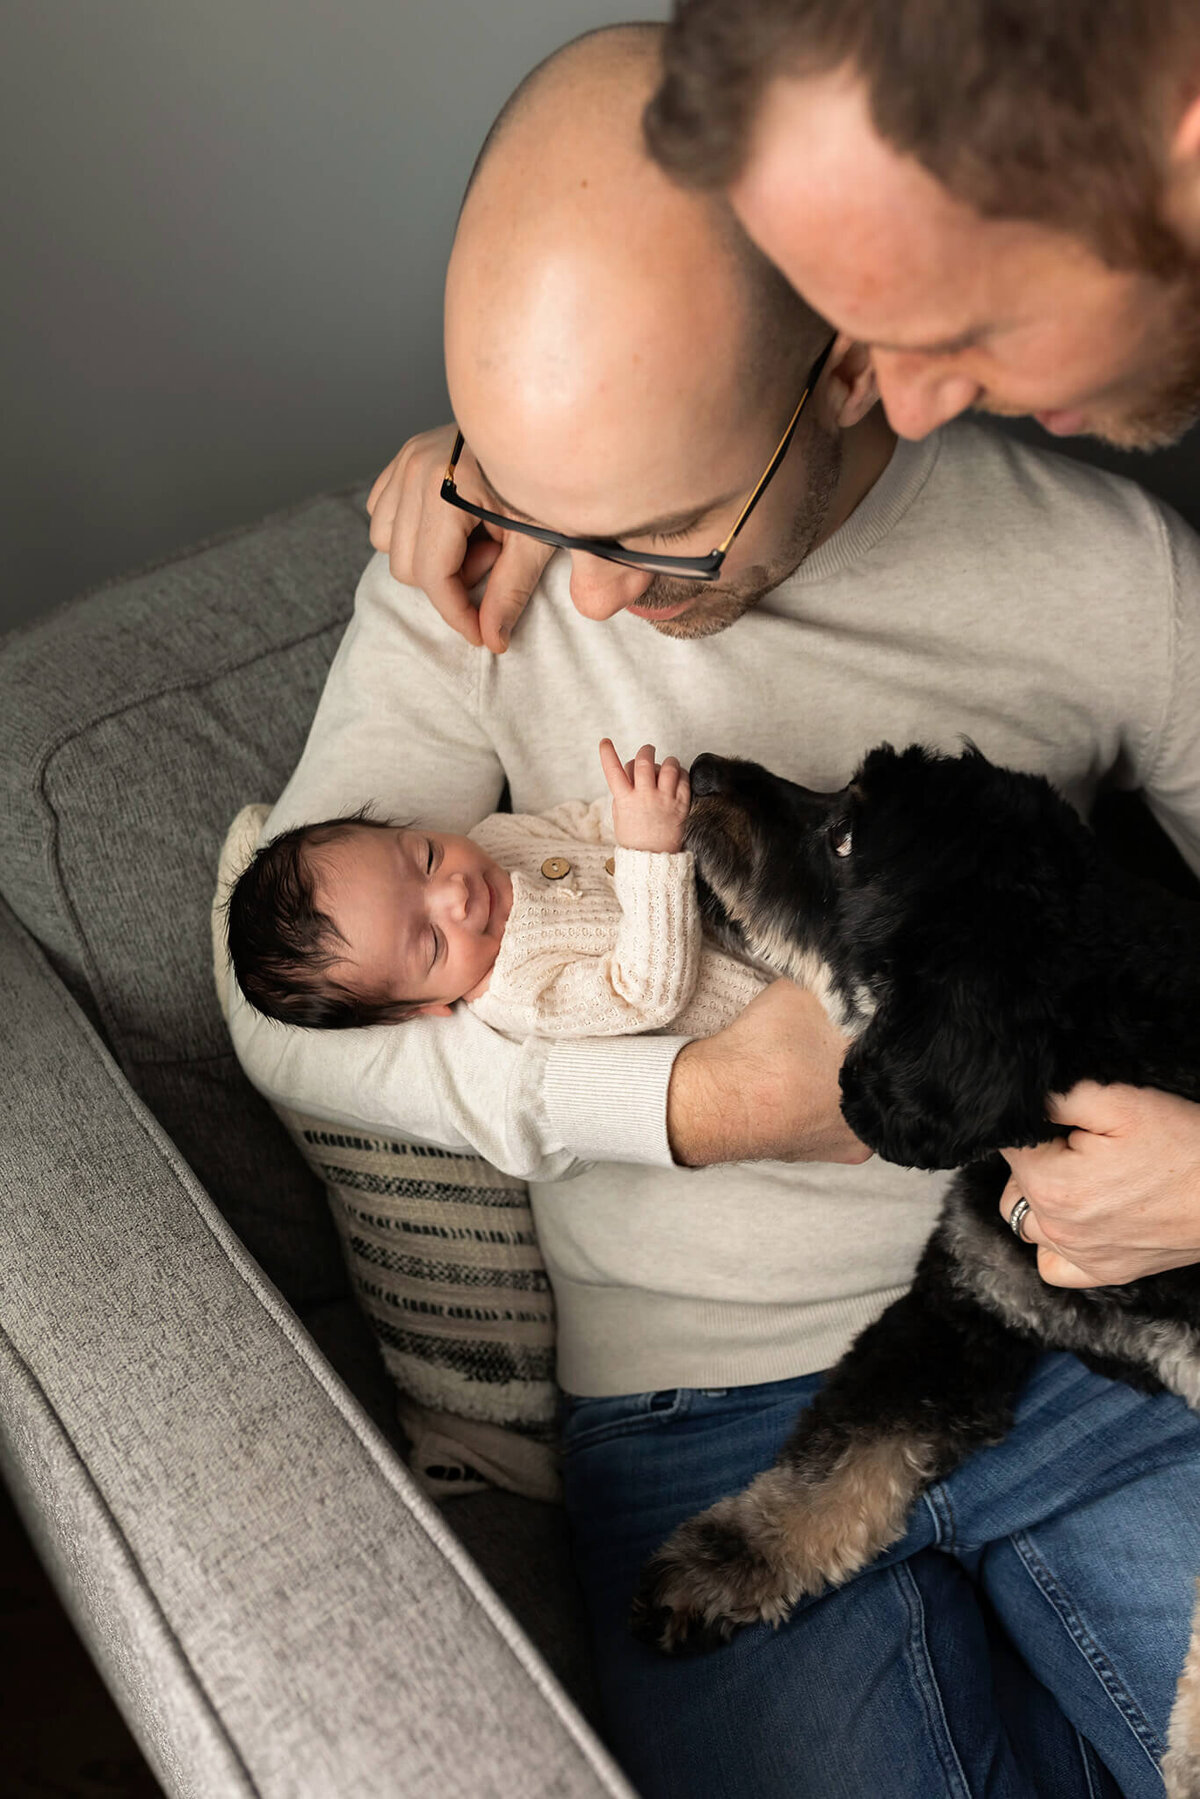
(1110,1680)
(926,1683)
(940,1507)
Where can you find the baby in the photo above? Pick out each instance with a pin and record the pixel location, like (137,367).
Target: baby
(549,925)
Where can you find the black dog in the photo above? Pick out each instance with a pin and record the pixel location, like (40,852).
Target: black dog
(962,924)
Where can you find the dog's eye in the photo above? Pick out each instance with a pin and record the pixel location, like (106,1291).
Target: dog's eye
(841,838)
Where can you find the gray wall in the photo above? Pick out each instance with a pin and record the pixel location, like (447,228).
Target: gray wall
(223,229)
(223,232)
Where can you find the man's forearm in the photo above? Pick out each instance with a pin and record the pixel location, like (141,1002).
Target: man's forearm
(763,1089)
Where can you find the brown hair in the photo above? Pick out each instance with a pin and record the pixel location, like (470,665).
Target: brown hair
(1047,110)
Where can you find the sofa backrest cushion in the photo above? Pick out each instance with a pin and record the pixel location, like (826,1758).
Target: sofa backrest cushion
(136,722)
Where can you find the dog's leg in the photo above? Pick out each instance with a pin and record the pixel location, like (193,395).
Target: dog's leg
(932,1380)
(1181,1764)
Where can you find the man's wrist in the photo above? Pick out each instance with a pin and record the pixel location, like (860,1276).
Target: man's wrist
(707,1115)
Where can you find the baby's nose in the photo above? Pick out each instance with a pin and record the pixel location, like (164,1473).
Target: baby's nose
(458,895)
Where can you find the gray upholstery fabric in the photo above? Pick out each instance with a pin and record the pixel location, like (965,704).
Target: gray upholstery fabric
(281,1609)
(244,1555)
(136,723)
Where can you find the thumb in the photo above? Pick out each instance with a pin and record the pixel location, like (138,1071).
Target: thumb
(515,573)
(1057,1271)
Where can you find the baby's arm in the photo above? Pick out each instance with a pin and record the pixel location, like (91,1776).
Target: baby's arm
(649,974)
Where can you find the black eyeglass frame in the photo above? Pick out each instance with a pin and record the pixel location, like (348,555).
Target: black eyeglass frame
(695,568)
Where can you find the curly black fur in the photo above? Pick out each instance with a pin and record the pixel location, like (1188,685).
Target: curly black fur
(965,927)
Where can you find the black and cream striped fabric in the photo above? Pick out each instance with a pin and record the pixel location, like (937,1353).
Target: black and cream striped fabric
(444,1259)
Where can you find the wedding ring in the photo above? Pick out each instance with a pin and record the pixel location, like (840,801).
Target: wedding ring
(1016,1218)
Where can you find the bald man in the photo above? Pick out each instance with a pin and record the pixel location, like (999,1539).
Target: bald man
(636,387)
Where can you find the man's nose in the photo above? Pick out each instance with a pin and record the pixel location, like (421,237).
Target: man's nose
(918,395)
(601,589)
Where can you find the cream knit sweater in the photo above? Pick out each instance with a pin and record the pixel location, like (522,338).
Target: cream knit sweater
(589,953)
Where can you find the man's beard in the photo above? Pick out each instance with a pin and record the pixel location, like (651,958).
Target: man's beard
(1160,414)
(719,604)
(1172,406)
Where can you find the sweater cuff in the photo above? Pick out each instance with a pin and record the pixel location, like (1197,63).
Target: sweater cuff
(606,1098)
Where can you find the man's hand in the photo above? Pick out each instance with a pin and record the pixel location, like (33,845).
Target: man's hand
(650,799)
(1117,1199)
(766,1087)
(435,547)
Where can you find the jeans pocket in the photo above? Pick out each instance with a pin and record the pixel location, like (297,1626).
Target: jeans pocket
(585,1421)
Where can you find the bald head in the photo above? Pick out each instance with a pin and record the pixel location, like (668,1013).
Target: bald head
(595,312)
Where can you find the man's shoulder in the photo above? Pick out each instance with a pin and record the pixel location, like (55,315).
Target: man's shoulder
(1005,478)
(391,611)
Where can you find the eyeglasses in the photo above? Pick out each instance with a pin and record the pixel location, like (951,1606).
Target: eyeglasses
(695,568)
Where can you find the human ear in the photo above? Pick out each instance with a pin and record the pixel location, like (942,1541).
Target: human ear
(850,388)
(1182,199)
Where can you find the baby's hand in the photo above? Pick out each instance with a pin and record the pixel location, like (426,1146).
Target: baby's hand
(650,800)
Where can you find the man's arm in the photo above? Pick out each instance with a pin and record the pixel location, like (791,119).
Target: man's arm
(765,1088)
(1118,1198)
(396,726)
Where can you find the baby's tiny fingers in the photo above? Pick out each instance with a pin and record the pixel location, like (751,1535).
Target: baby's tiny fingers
(614,772)
(645,767)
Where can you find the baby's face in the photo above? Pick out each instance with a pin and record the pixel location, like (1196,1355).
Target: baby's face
(422,913)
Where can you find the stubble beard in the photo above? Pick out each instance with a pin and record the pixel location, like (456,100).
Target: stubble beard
(719,604)
(1161,414)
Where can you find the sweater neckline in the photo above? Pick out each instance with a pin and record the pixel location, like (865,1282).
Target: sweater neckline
(908,469)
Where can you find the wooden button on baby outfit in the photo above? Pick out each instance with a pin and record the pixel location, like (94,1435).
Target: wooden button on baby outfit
(555,867)
(610,867)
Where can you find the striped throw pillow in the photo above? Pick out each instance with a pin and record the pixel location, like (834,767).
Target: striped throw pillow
(444,1259)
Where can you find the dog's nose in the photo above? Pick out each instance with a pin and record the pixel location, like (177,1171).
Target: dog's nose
(705,775)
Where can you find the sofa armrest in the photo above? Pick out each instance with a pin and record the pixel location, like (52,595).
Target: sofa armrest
(275,1606)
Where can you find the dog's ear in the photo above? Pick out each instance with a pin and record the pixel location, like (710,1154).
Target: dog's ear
(946,1073)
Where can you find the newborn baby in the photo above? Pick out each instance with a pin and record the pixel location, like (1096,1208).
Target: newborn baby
(559,924)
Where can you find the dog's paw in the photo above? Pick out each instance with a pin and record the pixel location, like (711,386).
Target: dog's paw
(791,1534)
(715,1575)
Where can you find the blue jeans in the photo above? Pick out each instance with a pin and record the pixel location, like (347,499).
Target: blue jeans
(1024,1638)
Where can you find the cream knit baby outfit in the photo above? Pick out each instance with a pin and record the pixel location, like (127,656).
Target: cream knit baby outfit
(589,953)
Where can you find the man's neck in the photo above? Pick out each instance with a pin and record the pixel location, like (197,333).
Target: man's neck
(866,451)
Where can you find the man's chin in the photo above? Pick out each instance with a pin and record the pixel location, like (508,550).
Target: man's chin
(707,607)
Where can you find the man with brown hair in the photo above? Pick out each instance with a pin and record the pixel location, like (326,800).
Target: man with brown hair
(1003,200)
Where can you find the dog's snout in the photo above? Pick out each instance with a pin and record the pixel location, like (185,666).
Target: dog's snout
(705,775)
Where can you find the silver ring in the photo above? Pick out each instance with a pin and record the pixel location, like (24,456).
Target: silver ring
(1016,1219)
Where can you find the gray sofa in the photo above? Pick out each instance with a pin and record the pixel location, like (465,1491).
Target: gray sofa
(193,1420)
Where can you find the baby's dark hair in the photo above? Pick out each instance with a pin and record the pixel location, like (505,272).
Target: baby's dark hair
(282,945)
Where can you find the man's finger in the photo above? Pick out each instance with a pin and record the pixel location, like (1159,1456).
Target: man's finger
(449,595)
(1030,1230)
(1056,1271)
(481,555)
(1090,1106)
(515,574)
(381,482)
